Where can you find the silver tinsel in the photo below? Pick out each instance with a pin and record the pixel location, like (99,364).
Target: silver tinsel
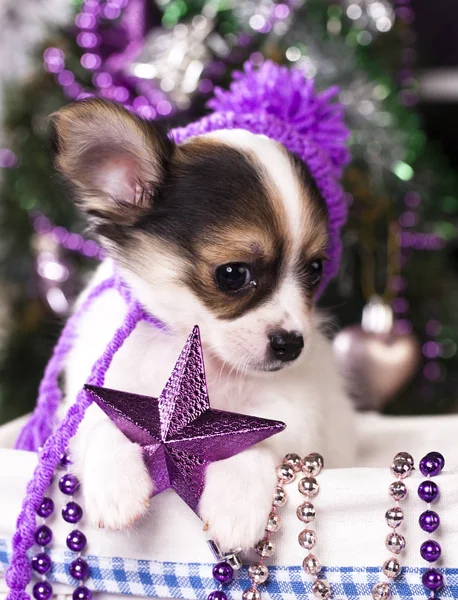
(377,137)
(375,15)
(175,59)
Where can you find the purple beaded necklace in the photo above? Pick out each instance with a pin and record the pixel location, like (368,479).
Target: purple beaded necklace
(272,100)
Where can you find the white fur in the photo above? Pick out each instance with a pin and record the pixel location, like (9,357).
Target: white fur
(307,395)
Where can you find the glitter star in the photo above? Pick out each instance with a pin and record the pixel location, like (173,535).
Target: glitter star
(179,433)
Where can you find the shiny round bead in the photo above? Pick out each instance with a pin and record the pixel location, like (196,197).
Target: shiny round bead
(217,595)
(285,473)
(82,593)
(405,456)
(265,547)
(430,550)
(381,591)
(41,563)
(69,484)
(391,568)
(72,512)
(42,590)
(306,512)
(432,464)
(294,460)
(308,486)
(311,465)
(398,490)
(42,535)
(64,461)
(401,468)
(394,516)
(433,580)
(79,569)
(280,497)
(76,541)
(311,564)
(258,573)
(428,491)
(318,457)
(307,539)
(321,589)
(273,523)
(251,594)
(395,542)
(429,521)
(223,572)
(46,508)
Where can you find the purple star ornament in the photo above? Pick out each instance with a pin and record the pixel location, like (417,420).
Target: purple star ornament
(179,433)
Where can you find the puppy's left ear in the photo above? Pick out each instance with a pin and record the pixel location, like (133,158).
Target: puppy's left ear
(114,160)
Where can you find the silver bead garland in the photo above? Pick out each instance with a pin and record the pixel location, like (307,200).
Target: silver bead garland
(401,467)
(308,486)
(258,572)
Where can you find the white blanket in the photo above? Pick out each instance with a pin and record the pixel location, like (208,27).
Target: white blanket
(350,522)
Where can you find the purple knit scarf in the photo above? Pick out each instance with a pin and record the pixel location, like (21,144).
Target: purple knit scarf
(272,101)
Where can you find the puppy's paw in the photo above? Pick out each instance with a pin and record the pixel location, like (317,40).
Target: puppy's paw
(237,498)
(116,486)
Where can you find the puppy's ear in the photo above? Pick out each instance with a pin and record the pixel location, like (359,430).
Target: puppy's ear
(114,160)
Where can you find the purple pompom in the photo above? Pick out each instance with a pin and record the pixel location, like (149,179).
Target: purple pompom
(289,96)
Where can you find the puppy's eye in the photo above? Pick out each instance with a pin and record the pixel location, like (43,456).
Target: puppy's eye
(316,271)
(233,277)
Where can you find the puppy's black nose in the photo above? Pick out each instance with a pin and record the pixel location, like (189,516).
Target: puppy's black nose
(286,345)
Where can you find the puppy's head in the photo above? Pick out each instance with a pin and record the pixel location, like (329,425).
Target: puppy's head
(227,230)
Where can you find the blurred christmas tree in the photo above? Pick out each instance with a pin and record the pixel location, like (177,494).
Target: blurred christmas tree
(162,59)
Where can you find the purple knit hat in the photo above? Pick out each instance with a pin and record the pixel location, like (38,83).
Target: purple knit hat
(280,103)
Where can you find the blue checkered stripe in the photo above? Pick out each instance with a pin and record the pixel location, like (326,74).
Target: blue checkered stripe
(194,580)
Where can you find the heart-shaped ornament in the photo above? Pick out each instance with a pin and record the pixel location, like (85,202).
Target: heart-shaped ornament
(376,362)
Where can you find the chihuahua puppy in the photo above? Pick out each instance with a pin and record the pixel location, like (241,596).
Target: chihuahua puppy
(228,231)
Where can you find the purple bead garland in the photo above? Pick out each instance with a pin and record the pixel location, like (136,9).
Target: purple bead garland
(429,521)
(89,38)
(217,595)
(82,593)
(42,590)
(79,569)
(69,484)
(68,240)
(430,550)
(72,512)
(428,491)
(76,540)
(223,571)
(409,239)
(43,535)
(433,580)
(41,562)
(46,508)
(432,464)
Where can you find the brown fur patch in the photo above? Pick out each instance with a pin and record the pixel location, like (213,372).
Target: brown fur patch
(315,216)
(215,207)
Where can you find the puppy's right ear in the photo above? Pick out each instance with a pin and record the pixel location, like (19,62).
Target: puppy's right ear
(114,160)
